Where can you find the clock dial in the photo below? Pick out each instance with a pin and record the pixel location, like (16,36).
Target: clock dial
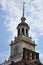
(16,49)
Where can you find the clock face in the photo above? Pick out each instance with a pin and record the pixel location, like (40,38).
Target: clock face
(16,49)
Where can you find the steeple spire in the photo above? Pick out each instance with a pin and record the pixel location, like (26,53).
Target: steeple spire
(23,8)
(23,17)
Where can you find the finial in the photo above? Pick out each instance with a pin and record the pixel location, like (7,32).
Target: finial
(23,8)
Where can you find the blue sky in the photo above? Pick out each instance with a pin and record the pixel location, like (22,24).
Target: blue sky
(10,14)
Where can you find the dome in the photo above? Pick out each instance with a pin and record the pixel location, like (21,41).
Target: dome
(23,24)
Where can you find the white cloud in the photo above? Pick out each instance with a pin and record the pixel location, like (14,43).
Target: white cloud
(40,55)
(4,56)
(34,36)
(14,14)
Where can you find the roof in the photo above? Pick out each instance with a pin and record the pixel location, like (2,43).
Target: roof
(23,24)
(28,62)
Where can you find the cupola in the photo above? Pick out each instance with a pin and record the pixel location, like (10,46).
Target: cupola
(23,27)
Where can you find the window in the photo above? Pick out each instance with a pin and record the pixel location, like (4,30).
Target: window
(26,31)
(18,31)
(22,30)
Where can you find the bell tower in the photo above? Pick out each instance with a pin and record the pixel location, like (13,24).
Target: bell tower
(22,40)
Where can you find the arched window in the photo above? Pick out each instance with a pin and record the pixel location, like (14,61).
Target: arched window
(26,31)
(18,31)
(23,31)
